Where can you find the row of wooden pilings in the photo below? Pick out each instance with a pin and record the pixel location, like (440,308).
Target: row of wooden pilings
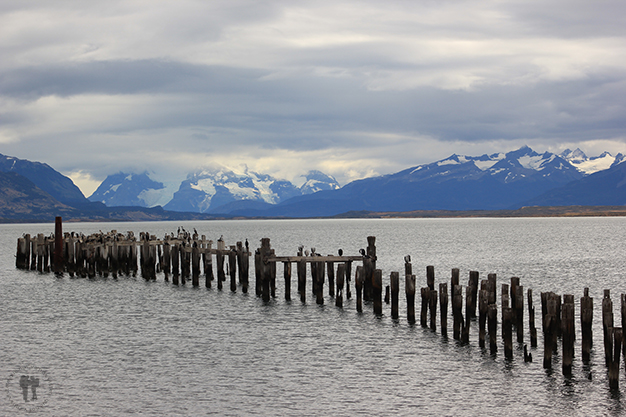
(182,256)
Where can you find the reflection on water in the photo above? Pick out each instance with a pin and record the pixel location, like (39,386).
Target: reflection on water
(124,346)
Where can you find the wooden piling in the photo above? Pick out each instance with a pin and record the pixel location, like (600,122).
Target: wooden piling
(265,252)
(58,246)
(457,313)
(430,277)
(341,272)
(443,306)
(377,290)
(287,276)
(507,329)
(433,309)
(425,292)
(531,319)
(301,269)
(519,315)
(617,341)
(483,309)
(358,281)
(395,291)
(473,286)
(607,324)
(586,319)
(454,280)
(410,298)
(232,267)
(567,322)
(348,278)
(330,273)
(492,323)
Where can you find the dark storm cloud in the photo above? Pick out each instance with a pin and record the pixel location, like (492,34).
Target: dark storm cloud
(363,86)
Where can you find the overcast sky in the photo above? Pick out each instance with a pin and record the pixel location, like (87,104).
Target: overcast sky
(352,88)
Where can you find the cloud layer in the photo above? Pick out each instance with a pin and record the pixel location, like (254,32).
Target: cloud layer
(350,88)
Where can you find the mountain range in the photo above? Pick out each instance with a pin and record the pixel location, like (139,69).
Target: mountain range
(500,181)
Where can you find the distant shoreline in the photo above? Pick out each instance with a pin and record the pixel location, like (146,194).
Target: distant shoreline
(146,215)
(533,211)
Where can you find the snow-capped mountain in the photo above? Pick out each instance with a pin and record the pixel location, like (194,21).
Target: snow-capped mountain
(588,165)
(459,182)
(124,189)
(318,181)
(207,190)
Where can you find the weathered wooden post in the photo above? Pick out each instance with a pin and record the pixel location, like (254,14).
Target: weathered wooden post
(473,285)
(549,332)
(567,321)
(409,289)
(175,258)
(483,309)
(371,267)
(465,322)
(531,319)
(433,309)
(221,275)
(272,276)
(395,290)
(607,324)
(507,330)
(430,277)
(348,278)
(454,280)
(505,302)
(232,267)
(492,323)
(358,281)
(58,246)
(443,307)
(287,276)
(519,316)
(514,285)
(20,257)
(167,259)
(617,342)
(257,273)
(491,279)
(377,289)
(243,263)
(457,311)
(195,264)
(586,319)
(341,272)
(319,282)
(265,252)
(330,271)
(425,291)
(302,279)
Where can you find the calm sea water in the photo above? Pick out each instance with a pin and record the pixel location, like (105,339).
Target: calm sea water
(126,346)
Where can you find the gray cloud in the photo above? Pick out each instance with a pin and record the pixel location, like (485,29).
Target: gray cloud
(363,87)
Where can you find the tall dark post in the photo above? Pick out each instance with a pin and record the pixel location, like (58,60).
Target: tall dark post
(395,289)
(377,291)
(341,272)
(410,298)
(287,276)
(266,273)
(607,325)
(58,245)
(358,283)
(443,306)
